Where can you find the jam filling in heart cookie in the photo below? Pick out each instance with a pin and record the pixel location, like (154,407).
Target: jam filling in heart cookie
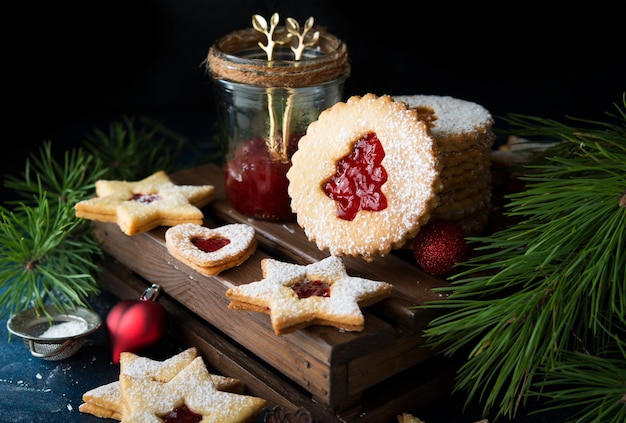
(143,205)
(297,296)
(365,177)
(210,245)
(211,251)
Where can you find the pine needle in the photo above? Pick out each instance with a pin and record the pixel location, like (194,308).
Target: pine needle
(45,258)
(133,151)
(47,255)
(63,182)
(552,286)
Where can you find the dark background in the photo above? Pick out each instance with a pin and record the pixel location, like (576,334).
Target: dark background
(75,65)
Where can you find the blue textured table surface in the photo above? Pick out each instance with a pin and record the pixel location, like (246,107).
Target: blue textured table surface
(34,390)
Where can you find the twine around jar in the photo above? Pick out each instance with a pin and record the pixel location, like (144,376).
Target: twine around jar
(242,57)
(236,57)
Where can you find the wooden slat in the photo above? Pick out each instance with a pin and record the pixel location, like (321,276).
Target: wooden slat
(222,357)
(412,286)
(307,356)
(406,392)
(335,367)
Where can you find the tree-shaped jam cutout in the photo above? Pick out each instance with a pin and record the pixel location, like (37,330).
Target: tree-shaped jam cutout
(356,185)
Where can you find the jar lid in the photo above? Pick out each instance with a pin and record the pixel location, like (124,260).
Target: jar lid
(238,57)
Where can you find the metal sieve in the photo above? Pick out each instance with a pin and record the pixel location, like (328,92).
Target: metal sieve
(31,326)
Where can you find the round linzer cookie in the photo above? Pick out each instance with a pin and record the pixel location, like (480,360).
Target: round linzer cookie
(365,177)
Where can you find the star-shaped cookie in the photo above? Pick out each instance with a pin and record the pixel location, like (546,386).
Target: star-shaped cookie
(297,296)
(190,391)
(106,400)
(143,205)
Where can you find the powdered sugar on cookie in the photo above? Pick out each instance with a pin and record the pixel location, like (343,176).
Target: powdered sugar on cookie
(106,401)
(211,250)
(140,206)
(297,296)
(410,163)
(191,390)
(453,116)
(463,137)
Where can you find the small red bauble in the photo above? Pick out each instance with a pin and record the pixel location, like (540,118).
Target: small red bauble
(439,245)
(134,325)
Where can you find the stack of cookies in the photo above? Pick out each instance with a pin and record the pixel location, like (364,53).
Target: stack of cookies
(463,139)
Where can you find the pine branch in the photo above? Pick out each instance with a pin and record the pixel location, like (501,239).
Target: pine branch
(62,182)
(45,258)
(552,284)
(597,383)
(134,153)
(47,255)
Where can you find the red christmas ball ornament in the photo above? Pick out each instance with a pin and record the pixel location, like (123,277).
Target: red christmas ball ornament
(439,245)
(134,325)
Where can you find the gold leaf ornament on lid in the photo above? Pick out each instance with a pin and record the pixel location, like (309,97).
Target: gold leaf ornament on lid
(260,24)
(293,27)
(302,39)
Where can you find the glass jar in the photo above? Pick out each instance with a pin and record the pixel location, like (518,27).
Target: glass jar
(264,107)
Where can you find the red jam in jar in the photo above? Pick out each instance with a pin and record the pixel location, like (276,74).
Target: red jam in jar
(256,182)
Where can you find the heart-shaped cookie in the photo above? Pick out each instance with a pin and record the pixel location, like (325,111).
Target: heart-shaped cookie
(211,250)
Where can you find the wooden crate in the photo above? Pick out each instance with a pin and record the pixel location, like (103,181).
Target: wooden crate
(371,375)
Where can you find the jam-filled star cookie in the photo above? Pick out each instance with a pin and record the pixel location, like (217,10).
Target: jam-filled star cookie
(191,394)
(211,250)
(365,177)
(143,205)
(105,401)
(297,296)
